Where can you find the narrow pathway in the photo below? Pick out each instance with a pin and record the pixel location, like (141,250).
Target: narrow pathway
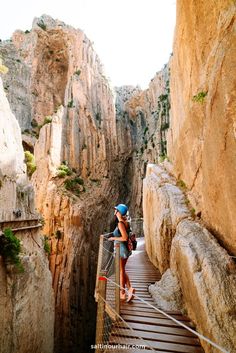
(161,333)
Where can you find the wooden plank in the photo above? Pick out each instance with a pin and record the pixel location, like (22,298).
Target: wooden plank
(139,304)
(154,321)
(149,325)
(145,313)
(126,332)
(158,345)
(178,331)
(147,309)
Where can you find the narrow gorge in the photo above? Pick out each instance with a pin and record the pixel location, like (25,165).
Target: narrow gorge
(72,147)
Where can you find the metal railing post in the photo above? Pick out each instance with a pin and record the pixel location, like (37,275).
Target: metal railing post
(102,284)
(100,253)
(117,278)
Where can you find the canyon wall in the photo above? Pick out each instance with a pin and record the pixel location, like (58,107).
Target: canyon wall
(189,256)
(202,139)
(189,204)
(142,118)
(79,176)
(26,298)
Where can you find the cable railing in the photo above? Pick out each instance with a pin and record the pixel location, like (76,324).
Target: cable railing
(113,332)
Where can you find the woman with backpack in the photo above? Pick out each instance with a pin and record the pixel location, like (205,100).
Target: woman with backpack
(121,235)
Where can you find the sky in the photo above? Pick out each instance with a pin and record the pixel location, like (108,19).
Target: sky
(133,38)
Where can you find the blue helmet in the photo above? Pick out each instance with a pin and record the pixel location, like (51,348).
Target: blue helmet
(123,209)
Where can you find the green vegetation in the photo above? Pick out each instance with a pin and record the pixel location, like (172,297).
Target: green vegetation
(74,185)
(146,130)
(63,171)
(46,245)
(193,212)
(30,163)
(78,72)
(34,123)
(98,116)
(70,104)
(3,68)
(47,120)
(58,235)
(10,249)
(163,97)
(181,184)
(42,25)
(163,157)
(165,126)
(200,97)
(27,32)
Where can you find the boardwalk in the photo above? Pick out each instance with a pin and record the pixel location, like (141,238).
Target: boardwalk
(161,333)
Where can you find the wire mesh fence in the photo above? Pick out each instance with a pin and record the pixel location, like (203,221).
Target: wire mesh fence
(113,333)
(116,335)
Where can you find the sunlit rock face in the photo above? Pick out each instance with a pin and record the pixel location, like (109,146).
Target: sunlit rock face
(15,191)
(71,122)
(26,299)
(202,139)
(207,277)
(192,259)
(143,118)
(164,207)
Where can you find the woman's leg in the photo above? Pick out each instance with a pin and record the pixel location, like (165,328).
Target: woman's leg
(127,281)
(125,275)
(122,274)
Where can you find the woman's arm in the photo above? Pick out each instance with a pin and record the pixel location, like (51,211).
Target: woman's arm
(124,235)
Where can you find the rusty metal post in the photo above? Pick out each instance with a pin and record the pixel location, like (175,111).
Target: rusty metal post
(99,265)
(117,278)
(102,283)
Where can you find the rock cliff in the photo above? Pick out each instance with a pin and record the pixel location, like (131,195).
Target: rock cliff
(202,139)
(79,176)
(204,271)
(142,119)
(26,299)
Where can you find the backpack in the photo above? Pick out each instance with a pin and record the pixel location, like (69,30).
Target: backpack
(131,241)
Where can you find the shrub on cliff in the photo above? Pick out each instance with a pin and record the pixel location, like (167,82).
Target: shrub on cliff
(3,68)
(200,97)
(30,163)
(63,171)
(46,245)
(10,249)
(42,25)
(75,185)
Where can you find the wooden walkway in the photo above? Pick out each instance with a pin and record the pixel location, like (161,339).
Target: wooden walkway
(159,332)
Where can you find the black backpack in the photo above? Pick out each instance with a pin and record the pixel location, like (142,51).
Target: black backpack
(131,241)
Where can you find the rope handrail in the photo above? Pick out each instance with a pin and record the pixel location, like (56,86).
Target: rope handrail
(173,319)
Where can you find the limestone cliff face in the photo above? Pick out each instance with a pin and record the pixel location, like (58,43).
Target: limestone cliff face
(59,67)
(143,118)
(74,219)
(182,246)
(202,140)
(26,299)
(73,123)
(13,179)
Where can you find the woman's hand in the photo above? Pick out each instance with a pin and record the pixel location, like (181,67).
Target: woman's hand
(111,238)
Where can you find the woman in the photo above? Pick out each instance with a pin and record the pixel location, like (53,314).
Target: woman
(120,235)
